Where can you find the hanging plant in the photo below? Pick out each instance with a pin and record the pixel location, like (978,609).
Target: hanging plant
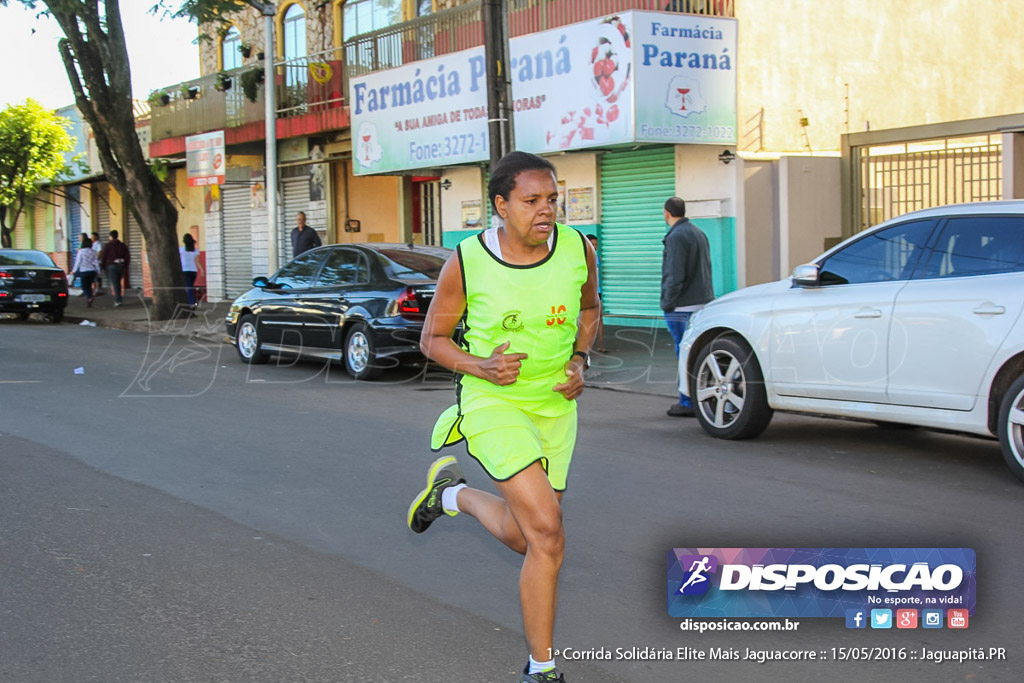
(251,80)
(159,98)
(245,49)
(189,92)
(222,83)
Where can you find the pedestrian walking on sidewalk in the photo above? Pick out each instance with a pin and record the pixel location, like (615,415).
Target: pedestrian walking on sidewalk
(685,280)
(528,290)
(87,266)
(190,267)
(114,260)
(304,238)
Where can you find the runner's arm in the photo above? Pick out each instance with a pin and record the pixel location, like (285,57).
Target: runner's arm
(590,315)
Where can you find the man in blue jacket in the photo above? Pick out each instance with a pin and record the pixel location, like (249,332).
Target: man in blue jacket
(685,279)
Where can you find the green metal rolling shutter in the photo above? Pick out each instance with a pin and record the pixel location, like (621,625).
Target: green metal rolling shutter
(634,187)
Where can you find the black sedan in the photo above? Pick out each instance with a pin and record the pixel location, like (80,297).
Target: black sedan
(29,282)
(362,304)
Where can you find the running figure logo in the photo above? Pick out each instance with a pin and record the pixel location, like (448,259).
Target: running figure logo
(696,581)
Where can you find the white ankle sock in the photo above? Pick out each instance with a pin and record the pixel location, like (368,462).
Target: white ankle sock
(539,667)
(450,498)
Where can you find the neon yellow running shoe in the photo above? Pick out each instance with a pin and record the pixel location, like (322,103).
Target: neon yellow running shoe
(426,507)
(549,676)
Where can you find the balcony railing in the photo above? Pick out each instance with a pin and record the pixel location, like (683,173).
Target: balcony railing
(307,84)
(461,28)
(319,81)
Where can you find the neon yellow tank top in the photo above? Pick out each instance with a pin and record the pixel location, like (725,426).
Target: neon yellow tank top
(534,308)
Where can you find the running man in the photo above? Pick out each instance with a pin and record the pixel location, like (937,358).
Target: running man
(528,290)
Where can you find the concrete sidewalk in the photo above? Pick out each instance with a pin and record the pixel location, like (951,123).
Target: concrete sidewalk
(637,359)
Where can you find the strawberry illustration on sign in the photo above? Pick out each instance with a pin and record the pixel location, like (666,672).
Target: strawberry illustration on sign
(610,59)
(609,76)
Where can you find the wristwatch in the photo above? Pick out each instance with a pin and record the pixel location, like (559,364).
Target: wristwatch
(585,356)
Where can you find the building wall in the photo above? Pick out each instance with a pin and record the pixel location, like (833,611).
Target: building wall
(906,63)
(809,208)
(759,212)
(467,186)
(580,170)
(377,203)
(709,188)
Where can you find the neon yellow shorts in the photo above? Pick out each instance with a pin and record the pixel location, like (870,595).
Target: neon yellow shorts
(506,440)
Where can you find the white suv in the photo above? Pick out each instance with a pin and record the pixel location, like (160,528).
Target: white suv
(915,321)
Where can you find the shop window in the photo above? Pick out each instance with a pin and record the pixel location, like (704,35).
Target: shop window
(366,16)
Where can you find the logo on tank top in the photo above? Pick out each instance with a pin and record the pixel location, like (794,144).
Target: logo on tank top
(557,316)
(513,321)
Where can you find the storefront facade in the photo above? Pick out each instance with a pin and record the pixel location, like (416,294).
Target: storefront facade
(631,109)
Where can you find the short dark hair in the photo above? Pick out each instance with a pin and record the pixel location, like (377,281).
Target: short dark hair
(676,207)
(113,234)
(503,176)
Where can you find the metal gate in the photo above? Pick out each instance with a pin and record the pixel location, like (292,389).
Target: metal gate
(295,191)
(40,209)
(634,187)
(237,233)
(135,246)
(22,238)
(430,211)
(895,179)
(101,204)
(74,218)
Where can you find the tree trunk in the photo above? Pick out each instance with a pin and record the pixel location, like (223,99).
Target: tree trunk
(96,59)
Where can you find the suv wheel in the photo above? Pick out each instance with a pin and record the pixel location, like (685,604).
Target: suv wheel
(727,390)
(1011,427)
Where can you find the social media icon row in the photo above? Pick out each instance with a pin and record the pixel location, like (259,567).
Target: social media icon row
(905,618)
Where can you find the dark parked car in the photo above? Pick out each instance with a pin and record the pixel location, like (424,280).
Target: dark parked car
(362,304)
(29,282)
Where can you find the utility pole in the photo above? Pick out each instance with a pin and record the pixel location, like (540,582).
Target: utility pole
(499,111)
(270,131)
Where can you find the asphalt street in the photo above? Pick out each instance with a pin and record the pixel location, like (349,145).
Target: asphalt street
(254,528)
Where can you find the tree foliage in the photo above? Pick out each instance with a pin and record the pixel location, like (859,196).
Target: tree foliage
(95,58)
(33,141)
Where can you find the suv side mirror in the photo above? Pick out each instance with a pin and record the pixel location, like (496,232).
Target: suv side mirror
(806,275)
(262,282)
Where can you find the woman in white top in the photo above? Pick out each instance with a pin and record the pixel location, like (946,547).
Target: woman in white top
(190,267)
(87,265)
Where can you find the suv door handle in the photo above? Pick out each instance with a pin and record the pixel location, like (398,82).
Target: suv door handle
(868,313)
(989,308)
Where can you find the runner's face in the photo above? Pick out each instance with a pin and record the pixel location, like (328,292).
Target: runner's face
(529,210)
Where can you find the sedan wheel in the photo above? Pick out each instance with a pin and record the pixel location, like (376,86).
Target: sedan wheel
(727,390)
(1011,427)
(360,357)
(247,341)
